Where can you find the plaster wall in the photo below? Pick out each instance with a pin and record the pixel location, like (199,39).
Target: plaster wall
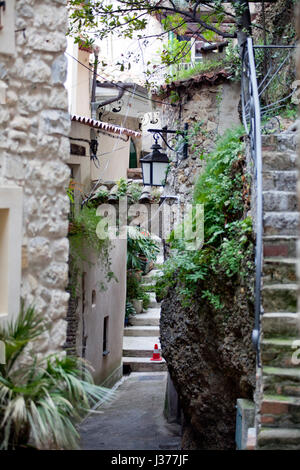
(110,302)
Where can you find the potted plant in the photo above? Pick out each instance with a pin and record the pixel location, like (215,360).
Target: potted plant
(142,250)
(129,311)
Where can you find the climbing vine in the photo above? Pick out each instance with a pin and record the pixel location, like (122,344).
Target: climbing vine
(83,239)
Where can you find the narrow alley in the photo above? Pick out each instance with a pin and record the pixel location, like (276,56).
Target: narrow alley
(134,419)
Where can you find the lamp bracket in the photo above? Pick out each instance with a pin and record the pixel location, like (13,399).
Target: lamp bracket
(160,133)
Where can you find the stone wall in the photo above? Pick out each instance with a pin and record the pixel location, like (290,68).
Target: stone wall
(207,104)
(34,127)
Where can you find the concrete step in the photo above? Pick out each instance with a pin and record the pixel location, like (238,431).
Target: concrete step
(144,364)
(281,381)
(279,270)
(149,318)
(280,246)
(278,352)
(280,201)
(141,331)
(273,160)
(280,324)
(278,411)
(281,223)
(278,439)
(280,180)
(280,298)
(137,346)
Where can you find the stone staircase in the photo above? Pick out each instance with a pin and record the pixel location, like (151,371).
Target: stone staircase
(139,338)
(279,394)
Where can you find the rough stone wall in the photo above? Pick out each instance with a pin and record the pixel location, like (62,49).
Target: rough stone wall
(34,125)
(207,105)
(209,353)
(211,360)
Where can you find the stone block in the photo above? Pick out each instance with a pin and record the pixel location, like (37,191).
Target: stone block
(244,420)
(55,122)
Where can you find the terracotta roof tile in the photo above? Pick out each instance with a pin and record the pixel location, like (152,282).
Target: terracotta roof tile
(105,126)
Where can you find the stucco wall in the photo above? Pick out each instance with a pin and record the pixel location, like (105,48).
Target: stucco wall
(34,125)
(113,154)
(93,308)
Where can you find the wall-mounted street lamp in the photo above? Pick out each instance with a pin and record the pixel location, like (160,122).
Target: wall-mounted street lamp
(155,164)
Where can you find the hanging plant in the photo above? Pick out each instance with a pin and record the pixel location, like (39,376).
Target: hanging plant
(83,239)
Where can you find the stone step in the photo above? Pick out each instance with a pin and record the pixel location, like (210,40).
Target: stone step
(273,160)
(149,318)
(281,223)
(137,346)
(280,142)
(280,298)
(278,439)
(280,201)
(143,364)
(151,276)
(153,303)
(281,381)
(141,331)
(278,352)
(279,270)
(280,324)
(280,246)
(280,180)
(278,411)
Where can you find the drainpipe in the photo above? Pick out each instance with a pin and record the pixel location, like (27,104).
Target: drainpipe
(93,104)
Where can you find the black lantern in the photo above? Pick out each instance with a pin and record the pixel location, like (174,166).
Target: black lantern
(154,166)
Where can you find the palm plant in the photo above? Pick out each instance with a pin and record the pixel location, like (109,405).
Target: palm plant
(42,400)
(140,244)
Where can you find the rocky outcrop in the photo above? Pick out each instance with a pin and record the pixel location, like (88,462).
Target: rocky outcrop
(210,359)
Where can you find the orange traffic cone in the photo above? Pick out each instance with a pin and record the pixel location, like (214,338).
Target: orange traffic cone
(156,354)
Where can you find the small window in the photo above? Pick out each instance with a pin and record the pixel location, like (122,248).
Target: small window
(105,336)
(7,27)
(93,299)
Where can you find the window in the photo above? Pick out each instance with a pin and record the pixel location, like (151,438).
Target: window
(10,250)
(7,27)
(105,336)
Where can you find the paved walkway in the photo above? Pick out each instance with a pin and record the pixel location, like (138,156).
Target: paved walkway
(134,419)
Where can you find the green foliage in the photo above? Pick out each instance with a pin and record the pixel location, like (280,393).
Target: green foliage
(140,244)
(122,187)
(227,232)
(175,51)
(136,290)
(198,69)
(42,400)
(83,239)
(134,192)
(129,309)
(126,17)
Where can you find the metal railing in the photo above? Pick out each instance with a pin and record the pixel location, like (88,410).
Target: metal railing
(265,88)
(252,123)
